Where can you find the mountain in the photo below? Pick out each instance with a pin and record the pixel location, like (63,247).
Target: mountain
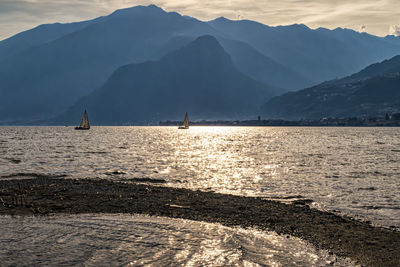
(199,78)
(318,55)
(52,66)
(373,91)
(262,68)
(252,63)
(38,36)
(386,67)
(47,78)
(393,39)
(43,71)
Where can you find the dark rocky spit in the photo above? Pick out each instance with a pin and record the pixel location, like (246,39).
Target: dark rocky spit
(41,195)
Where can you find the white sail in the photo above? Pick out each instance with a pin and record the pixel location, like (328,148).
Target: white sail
(85,121)
(185,123)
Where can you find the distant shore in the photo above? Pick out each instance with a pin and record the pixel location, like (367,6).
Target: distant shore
(350,122)
(41,195)
(386,121)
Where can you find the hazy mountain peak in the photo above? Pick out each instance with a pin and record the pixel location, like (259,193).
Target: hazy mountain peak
(206,43)
(224,21)
(221,19)
(298,26)
(201,51)
(150,9)
(205,40)
(61,62)
(349,31)
(198,78)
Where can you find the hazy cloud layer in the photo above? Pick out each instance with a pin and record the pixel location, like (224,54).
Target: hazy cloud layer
(379,17)
(395,30)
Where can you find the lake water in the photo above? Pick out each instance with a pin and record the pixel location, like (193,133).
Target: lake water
(125,240)
(355,171)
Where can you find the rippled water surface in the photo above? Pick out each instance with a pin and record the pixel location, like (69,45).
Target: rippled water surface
(352,170)
(125,240)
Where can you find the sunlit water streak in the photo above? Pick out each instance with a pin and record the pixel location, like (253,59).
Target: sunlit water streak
(125,240)
(353,170)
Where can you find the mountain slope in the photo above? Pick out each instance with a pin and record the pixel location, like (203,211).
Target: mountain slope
(385,67)
(318,55)
(37,36)
(47,76)
(46,79)
(200,78)
(371,92)
(251,62)
(262,68)
(45,70)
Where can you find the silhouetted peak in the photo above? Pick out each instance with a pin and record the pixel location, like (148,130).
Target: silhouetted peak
(338,29)
(221,20)
(298,27)
(205,48)
(153,6)
(205,44)
(150,9)
(345,30)
(392,37)
(206,40)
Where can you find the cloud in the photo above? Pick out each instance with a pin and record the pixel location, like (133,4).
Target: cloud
(18,15)
(394,30)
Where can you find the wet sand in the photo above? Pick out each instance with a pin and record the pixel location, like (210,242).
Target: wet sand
(41,195)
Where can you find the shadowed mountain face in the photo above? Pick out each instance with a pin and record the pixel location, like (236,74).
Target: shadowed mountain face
(38,36)
(262,68)
(373,91)
(318,55)
(47,78)
(252,63)
(45,70)
(199,78)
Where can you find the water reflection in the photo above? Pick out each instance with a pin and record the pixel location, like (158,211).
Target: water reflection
(125,240)
(332,166)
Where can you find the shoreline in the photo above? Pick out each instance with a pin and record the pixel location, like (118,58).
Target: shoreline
(345,237)
(326,122)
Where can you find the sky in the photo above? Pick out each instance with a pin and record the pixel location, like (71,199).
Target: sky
(378,17)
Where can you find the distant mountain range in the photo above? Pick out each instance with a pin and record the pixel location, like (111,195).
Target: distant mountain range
(199,78)
(318,55)
(373,91)
(45,70)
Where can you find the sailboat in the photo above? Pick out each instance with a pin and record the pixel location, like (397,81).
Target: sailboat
(84,123)
(185,123)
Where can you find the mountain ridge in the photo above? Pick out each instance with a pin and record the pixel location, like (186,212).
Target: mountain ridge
(304,49)
(203,82)
(374,91)
(44,76)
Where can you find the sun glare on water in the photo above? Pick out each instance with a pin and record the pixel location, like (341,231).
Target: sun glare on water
(218,152)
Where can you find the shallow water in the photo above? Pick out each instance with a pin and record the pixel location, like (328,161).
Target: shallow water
(352,170)
(125,240)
